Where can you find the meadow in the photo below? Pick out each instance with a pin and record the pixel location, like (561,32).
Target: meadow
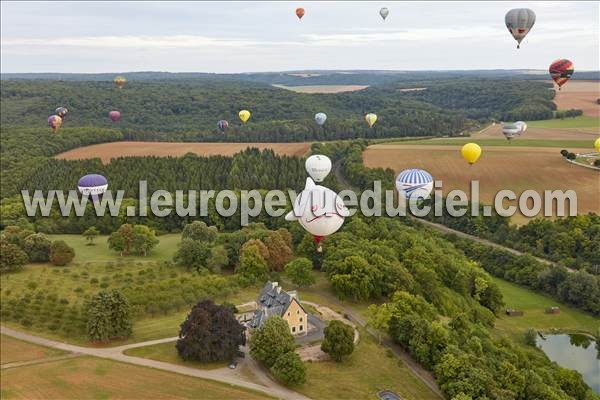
(94,378)
(15,350)
(584,121)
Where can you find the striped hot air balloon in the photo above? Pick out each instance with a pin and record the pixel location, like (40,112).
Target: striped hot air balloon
(414,183)
(222,125)
(561,71)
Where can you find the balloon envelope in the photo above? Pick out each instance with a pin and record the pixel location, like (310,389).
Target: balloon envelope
(519,22)
(561,71)
(319,210)
(115,116)
(300,12)
(92,184)
(318,167)
(119,81)
(471,152)
(384,12)
(61,111)
(54,122)
(222,125)
(371,119)
(320,118)
(244,115)
(512,130)
(413,184)
(597,145)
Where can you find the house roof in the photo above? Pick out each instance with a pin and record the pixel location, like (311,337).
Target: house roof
(271,301)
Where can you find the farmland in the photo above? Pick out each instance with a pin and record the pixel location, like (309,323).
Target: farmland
(580,95)
(500,167)
(107,151)
(323,88)
(14,350)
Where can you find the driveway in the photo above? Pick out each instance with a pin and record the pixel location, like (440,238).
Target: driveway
(313,335)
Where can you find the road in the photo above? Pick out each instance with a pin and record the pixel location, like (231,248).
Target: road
(224,375)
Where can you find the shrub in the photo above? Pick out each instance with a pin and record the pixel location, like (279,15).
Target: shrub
(289,369)
(61,254)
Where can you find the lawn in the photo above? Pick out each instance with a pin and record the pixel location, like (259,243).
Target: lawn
(15,350)
(533,305)
(577,122)
(100,252)
(368,370)
(93,378)
(168,353)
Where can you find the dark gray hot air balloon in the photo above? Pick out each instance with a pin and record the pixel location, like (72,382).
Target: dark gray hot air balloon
(519,22)
(384,12)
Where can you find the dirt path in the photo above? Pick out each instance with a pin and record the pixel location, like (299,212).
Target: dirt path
(116,353)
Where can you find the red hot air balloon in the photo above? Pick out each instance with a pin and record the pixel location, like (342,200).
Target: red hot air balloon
(115,116)
(561,71)
(300,12)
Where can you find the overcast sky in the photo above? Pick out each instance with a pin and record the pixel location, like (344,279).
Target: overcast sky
(267,36)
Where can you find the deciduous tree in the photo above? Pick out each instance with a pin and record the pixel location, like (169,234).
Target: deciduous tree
(289,369)
(61,253)
(338,341)
(271,341)
(300,272)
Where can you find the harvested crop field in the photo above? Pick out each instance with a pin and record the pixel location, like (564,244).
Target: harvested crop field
(14,350)
(93,378)
(500,167)
(495,132)
(580,95)
(323,88)
(106,151)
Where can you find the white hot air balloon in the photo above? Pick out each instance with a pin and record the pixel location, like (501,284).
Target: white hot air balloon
(318,167)
(512,130)
(414,184)
(519,22)
(319,210)
(320,118)
(384,12)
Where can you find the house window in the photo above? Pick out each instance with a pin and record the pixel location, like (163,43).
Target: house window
(293,329)
(289,314)
(300,327)
(297,311)
(300,319)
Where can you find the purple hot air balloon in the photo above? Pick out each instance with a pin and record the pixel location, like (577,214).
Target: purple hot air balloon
(115,116)
(92,184)
(222,125)
(54,122)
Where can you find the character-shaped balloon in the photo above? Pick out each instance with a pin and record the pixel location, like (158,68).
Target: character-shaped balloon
(318,167)
(319,210)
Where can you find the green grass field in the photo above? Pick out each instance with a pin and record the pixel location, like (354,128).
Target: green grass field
(533,305)
(168,353)
(100,252)
(94,378)
(367,371)
(498,142)
(582,121)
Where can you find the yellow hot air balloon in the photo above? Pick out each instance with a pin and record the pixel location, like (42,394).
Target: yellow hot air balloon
(471,152)
(371,119)
(597,145)
(244,115)
(119,82)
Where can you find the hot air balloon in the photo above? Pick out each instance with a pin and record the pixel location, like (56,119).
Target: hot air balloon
(300,13)
(384,12)
(413,184)
(54,122)
(512,130)
(320,118)
(61,112)
(222,125)
(318,167)
(519,22)
(244,115)
(92,184)
(119,82)
(561,71)
(319,210)
(371,119)
(597,145)
(115,116)
(471,152)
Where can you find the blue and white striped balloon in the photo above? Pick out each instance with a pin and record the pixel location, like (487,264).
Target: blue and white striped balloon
(413,184)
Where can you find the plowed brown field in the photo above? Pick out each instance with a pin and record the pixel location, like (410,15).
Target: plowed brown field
(106,151)
(580,95)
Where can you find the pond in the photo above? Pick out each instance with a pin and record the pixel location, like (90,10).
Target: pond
(576,352)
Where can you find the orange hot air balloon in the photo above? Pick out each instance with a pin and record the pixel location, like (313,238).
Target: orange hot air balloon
(561,71)
(300,12)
